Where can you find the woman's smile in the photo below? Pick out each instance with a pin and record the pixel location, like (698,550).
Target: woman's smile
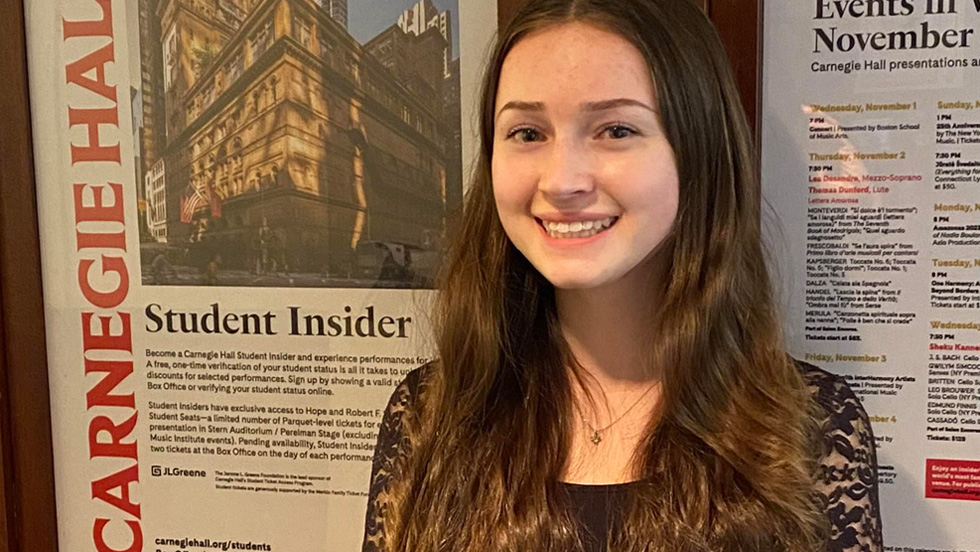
(577,229)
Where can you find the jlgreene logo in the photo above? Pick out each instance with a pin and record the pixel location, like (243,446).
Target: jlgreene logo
(158,471)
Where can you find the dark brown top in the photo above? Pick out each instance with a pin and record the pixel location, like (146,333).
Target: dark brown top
(596,508)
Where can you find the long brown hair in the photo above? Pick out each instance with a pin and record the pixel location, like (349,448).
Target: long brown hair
(727,461)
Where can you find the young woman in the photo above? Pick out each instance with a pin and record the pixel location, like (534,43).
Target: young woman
(611,371)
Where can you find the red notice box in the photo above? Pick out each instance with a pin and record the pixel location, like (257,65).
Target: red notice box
(953,479)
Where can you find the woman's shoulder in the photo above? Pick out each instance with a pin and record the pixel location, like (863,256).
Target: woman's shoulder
(829,391)
(407,391)
(842,411)
(391,443)
(847,467)
(403,400)
(844,419)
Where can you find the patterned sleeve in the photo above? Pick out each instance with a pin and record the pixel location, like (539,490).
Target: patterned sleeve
(389,442)
(847,476)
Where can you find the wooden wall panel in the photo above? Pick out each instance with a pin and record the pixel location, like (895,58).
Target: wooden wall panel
(5,456)
(738,24)
(25,428)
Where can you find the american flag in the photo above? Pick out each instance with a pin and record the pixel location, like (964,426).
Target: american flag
(189,202)
(214,200)
(215,203)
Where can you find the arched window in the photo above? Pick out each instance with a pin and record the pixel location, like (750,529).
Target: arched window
(274,88)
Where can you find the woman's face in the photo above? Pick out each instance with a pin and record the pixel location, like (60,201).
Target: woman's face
(584,179)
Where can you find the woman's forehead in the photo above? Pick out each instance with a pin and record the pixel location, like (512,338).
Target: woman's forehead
(574,62)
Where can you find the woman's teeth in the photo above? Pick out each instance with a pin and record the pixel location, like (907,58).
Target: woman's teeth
(578,229)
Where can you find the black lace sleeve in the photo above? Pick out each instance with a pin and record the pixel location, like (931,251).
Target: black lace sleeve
(847,476)
(390,441)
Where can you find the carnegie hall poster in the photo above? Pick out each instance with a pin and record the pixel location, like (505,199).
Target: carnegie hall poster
(242,204)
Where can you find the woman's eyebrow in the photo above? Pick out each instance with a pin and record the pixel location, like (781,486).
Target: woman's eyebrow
(612,104)
(600,105)
(522,106)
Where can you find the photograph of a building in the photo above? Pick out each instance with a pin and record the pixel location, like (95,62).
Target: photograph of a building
(276,149)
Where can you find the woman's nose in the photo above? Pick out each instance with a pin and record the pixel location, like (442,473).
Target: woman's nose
(567,172)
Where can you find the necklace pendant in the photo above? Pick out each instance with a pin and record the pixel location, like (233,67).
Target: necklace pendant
(596,438)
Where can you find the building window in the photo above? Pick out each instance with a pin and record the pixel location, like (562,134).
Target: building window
(235,67)
(326,51)
(273,89)
(261,41)
(353,70)
(303,31)
(170,53)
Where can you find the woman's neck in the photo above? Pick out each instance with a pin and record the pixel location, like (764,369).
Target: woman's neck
(607,330)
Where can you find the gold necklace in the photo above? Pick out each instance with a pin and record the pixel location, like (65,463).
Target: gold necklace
(596,436)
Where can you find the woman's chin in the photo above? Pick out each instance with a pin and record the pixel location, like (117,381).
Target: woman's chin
(574,281)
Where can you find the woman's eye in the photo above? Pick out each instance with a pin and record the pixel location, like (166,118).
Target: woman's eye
(618,132)
(525,134)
